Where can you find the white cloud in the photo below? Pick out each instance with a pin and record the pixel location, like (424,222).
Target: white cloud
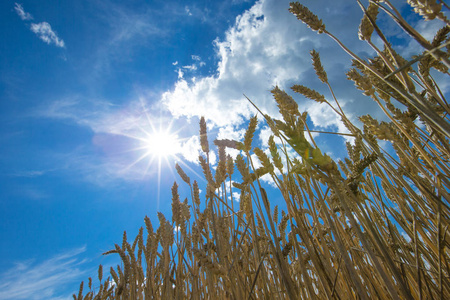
(44,32)
(43,29)
(264,135)
(190,149)
(212,158)
(192,67)
(231,133)
(180,73)
(267,178)
(188,11)
(248,59)
(236,196)
(21,12)
(35,281)
(323,116)
(268,46)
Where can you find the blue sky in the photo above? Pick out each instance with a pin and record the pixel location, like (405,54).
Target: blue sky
(83,84)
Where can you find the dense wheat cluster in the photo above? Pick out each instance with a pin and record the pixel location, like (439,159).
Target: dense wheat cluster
(374,226)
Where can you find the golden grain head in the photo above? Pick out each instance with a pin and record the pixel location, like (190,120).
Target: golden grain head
(307,17)
(366,28)
(286,103)
(248,138)
(308,93)
(317,64)
(429,9)
(182,174)
(203,136)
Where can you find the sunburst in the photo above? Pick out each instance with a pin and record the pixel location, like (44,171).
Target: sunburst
(155,145)
(161,144)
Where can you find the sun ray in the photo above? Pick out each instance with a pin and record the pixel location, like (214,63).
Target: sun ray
(155,147)
(136,161)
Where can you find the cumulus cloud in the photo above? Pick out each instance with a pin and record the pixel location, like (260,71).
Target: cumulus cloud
(35,281)
(190,149)
(21,12)
(44,32)
(266,47)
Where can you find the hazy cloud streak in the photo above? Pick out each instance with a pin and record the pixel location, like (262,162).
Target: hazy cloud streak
(27,280)
(21,12)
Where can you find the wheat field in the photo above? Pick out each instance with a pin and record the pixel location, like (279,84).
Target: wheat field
(372,226)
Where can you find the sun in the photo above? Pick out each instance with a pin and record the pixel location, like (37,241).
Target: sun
(162,144)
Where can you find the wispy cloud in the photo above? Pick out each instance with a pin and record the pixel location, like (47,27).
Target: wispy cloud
(43,29)
(192,67)
(29,173)
(43,280)
(188,11)
(31,192)
(198,63)
(119,132)
(126,30)
(21,12)
(44,32)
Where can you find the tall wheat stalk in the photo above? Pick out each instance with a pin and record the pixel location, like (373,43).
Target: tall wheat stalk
(375,225)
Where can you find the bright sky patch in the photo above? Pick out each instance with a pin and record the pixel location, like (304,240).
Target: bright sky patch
(161,144)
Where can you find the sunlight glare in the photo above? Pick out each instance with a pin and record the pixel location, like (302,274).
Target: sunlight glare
(162,144)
